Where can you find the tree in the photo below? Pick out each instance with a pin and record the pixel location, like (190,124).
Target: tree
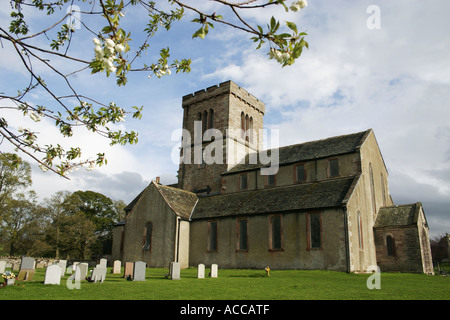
(103,212)
(21,223)
(69,232)
(52,47)
(15,174)
(17,207)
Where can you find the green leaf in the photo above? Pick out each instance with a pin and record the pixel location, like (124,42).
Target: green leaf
(201,33)
(292,26)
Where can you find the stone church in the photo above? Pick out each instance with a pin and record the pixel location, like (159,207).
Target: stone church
(322,204)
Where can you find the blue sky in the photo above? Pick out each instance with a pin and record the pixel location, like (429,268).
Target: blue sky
(395,80)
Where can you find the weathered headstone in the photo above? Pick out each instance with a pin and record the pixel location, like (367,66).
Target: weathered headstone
(83,267)
(98,274)
(201,271)
(139,271)
(128,270)
(27,263)
(2,266)
(63,265)
(214,270)
(175,270)
(53,275)
(116,266)
(26,271)
(103,262)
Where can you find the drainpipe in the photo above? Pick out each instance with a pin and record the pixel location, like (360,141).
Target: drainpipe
(178,240)
(346,240)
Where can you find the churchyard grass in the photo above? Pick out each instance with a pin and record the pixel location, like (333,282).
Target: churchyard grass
(238,285)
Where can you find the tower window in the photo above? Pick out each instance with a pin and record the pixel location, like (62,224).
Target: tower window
(204,122)
(211,119)
(242,125)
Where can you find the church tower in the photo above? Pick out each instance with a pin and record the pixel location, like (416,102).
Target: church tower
(221,124)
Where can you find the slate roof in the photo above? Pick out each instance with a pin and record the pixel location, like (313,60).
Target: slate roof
(308,196)
(310,150)
(399,215)
(180,201)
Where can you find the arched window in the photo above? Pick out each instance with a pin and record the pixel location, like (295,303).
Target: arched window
(383,190)
(243,129)
(390,246)
(247,126)
(372,190)
(147,245)
(205,121)
(211,119)
(360,232)
(251,129)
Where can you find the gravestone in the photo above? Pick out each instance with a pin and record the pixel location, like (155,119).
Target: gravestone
(63,265)
(26,271)
(27,263)
(201,271)
(175,270)
(103,262)
(83,267)
(116,266)
(53,275)
(214,271)
(98,274)
(139,271)
(128,270)
(2,266)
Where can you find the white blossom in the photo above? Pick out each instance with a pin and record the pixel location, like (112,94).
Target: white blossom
(119,47)
(109,43)
(99,53)
(109,51)
(298,5)
(35,117)
(96,42)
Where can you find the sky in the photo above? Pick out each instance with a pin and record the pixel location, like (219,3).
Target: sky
(394,79)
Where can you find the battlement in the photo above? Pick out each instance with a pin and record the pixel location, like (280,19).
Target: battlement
(226,87)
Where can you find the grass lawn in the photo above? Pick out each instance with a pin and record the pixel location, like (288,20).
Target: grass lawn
(238,285)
